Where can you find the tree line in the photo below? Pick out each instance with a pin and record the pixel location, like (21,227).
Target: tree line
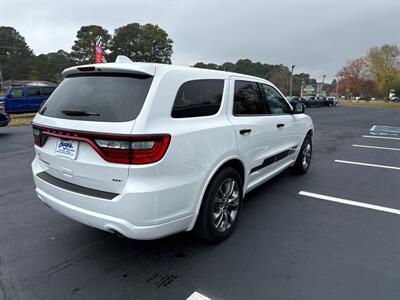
(145,43)
(372,75)
(278,74)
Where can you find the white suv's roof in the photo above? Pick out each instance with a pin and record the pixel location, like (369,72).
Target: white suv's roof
(125,65)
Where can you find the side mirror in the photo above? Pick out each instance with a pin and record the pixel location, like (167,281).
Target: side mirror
(299,108)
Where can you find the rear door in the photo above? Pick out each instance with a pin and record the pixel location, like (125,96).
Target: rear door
(35,98)
(86,123)
(256,132)
(287,124)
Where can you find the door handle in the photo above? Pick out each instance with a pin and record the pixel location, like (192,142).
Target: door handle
(245,131)
(280,125)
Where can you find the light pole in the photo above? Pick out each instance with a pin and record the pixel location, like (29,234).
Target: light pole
(337,87)
(291,81)
(323,82)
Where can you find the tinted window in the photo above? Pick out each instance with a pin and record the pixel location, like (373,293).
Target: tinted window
(105,97)
(17,93)
(34,91)
(275,101)
(247,99)
(47,91)
(198,98)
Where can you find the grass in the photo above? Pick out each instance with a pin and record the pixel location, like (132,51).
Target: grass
(371,103)
(21,119)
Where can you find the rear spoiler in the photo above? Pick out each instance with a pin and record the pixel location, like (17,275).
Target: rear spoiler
(121,65)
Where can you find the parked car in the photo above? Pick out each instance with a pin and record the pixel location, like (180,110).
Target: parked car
(312,101)
(329,101)
(334,100)
(147,150)
(393,96)
(26,98)
(293,100)
(4,117)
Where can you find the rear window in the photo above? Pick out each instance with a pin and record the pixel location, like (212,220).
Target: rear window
(98,97)
(34,92)
(198,98)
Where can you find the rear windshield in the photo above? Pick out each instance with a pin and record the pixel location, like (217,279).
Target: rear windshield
(98,97)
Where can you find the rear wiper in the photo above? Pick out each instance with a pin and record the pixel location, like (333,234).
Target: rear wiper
(79,113)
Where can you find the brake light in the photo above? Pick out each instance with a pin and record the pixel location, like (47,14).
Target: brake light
(86,69)
(132,149)
(37,137)
(136,150)
(146,150)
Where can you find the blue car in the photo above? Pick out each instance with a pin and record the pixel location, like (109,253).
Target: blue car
(23,99)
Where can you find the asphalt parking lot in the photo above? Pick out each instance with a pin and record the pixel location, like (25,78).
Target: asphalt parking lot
(287,245)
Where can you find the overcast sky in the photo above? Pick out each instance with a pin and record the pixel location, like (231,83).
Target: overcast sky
(316,36)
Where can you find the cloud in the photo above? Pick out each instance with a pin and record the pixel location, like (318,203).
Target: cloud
(317,36)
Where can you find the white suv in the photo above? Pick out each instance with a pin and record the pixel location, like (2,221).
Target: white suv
(146,150)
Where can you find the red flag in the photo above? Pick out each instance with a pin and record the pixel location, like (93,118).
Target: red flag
(98,55)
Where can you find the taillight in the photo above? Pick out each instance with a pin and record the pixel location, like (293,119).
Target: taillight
(134,149)
(36,136)
(146,150)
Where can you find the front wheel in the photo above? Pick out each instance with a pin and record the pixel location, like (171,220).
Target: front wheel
(304,157)
(221,206)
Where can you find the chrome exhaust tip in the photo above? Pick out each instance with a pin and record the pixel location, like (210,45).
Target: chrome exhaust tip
(117,233)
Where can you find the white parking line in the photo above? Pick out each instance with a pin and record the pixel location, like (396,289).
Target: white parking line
(365,164)
(384,128)
(376,147)
(381,137)
(350,202)
(197,296)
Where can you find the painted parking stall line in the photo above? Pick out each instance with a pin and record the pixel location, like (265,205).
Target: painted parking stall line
(366,164)
(385,129)
(381,137)
(197,296)
(376,147)
(351,202)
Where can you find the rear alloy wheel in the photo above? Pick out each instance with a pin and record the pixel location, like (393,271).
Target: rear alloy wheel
(221,206)
(226,205)
(303,160)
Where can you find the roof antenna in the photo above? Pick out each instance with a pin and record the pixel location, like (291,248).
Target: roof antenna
(122,59)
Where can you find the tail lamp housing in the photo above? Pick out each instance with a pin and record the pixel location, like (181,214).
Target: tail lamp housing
(124,149)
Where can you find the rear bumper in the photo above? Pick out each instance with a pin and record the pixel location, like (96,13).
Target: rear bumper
(114,224)
(131,214)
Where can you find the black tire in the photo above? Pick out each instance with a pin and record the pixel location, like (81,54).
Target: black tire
(302,165)
(206,227)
